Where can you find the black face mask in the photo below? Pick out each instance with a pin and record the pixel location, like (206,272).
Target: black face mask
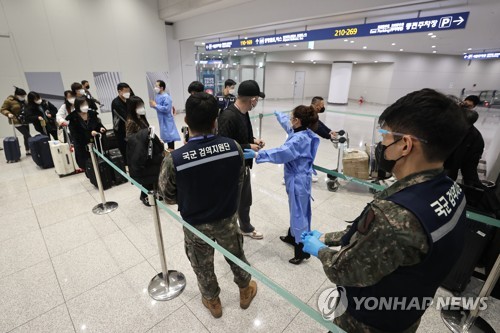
(382,162)
(322,110)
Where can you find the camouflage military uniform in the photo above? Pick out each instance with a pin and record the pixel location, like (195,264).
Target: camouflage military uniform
(225,232)
(388,236)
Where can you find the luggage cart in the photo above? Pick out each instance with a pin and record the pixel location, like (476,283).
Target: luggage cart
(340,143)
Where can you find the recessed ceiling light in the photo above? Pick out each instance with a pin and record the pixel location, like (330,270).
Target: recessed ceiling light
(469,49)
(364,47)
(236,51)
(401,50)
(314,63)
(375,61)
(203,43)
(220,50)
(464,53)
(430,34)
(345,40)
(244,48)
(433,36)
(202,53)
(393,44)
(355,63)
(434,51)
(293,62)
(287,44)
(253,49)
(312,60)
(246,37)
(294,45)
(351,41)
(433,46)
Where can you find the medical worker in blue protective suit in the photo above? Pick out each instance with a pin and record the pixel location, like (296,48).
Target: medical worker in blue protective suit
(163,106)
(297,154)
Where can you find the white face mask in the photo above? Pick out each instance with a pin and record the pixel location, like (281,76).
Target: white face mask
(157,90)
(126,95)
(39,102)
(141,111)
(21,98)
(231,91)
(82,91)
(84,109)
(71,100)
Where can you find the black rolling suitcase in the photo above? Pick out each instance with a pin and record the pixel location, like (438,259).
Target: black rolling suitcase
(11,148)
(477,237)
(116,157)
(111,141)
(40,151)
(105,170)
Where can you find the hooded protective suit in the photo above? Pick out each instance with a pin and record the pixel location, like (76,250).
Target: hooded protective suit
(297,154)
(168,131)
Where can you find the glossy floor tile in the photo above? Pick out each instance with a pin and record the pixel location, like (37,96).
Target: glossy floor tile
(64,269)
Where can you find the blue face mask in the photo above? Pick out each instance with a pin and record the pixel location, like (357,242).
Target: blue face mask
(383,163)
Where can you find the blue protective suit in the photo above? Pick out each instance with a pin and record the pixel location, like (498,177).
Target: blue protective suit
(168,131)
(297,154)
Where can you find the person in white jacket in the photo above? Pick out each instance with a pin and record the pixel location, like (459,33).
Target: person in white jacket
(66,108)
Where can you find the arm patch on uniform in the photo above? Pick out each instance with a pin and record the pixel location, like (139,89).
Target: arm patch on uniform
(365,221)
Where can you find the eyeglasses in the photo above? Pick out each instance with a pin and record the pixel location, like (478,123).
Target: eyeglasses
(383,131)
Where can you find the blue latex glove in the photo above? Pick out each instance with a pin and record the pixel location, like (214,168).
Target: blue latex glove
(312,245)
(314,233)
(249,154)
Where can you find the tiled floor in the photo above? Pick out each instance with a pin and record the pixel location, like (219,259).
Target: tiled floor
(64,269)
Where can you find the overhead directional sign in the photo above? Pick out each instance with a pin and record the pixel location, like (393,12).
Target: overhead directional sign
(482,56)
(403,26)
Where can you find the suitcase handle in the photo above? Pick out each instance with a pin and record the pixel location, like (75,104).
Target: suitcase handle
(14,129)
(100,143)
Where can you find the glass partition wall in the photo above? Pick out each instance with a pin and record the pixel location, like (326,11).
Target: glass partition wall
(215,67)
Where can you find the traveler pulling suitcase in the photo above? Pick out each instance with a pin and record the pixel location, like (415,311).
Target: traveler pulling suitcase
(62,157)
(11,148)
(104,169)
(116,157)
(40,151)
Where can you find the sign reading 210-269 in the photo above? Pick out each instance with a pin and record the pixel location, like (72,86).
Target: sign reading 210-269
(403,26)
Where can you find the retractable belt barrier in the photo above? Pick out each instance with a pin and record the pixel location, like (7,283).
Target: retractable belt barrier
(292,299)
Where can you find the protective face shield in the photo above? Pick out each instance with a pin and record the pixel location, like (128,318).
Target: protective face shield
(157,90)
(141,111)
(84,108)
(126,95)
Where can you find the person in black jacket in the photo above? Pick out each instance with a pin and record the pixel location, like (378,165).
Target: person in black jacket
(142,167)
(318,104)
(84,125)
(467,155)
(119,109)
(235,123)
(42,114)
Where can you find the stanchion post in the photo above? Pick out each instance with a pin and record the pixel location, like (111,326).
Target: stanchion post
(261,115)
(167,284)
(104,207)
(457,320)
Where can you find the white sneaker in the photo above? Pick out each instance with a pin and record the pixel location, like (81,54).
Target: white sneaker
(254,234)
(314,178)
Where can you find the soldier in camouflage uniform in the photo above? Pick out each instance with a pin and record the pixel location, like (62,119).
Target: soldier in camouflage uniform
(406,241)
(203,178)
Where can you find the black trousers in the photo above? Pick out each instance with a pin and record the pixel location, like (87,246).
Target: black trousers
(81,155)
(25,131)
(245,203)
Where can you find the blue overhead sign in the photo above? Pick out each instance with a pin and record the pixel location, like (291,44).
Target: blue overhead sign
(482,56)
(404,26)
